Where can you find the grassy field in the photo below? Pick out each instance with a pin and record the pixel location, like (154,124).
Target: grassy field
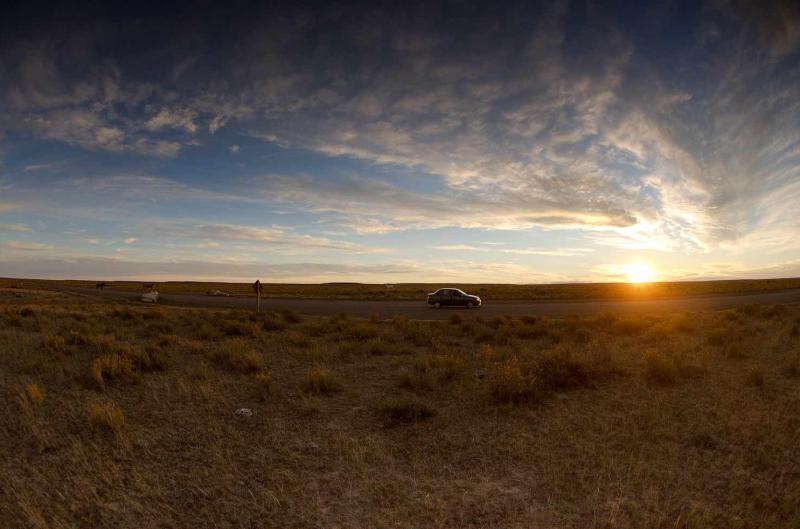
(417,291)
(126,417)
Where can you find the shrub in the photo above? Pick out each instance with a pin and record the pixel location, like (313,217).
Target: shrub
(158,328)
(485,353)
(108,418)
(358,331)
(774,311)
(124,314)
(496,322)
(559,369)
(168,340)
(27,312)
(107,345)
(78,337)
(319,380)
(734,350)
(512,382)
(273,322)
(155,313)
(235,358)
(406,411)
(418,375)
(290,316)
(531,331)
(13,320)
(456,319)
(297,339)
(151,359)
(208,333)
(606,320)
(748,310)
(450,367)
(631,326)
(684,323)
(241,328)
(486,336)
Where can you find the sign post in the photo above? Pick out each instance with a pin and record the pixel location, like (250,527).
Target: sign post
(257,290)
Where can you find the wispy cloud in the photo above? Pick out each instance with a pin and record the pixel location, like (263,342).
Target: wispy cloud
(15,227)
(27,246)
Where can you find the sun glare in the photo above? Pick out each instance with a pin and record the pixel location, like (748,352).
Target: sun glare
(639,273)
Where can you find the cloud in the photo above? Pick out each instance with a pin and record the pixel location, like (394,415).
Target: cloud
(459,248)
(562,122)
(375,206)
(121,268)
(27,246)
(281,237)
(175,118)
(15,227)
(131,240)
(549,252)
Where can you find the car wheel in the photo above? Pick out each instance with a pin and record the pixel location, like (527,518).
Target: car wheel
(469,304)
(437,305)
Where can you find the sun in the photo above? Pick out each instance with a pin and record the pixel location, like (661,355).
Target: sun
(639,273)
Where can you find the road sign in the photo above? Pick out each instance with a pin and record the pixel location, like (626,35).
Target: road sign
(257,290)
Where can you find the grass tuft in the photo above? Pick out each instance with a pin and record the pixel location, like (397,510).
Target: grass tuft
(112,368)
(106,417)
(264,385)
(55,344)
(319,381)
(31,396)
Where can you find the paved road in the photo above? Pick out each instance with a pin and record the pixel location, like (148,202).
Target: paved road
(419,310)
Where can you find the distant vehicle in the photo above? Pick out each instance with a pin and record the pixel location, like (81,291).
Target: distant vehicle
(453,297)
(217,293)
(150,297)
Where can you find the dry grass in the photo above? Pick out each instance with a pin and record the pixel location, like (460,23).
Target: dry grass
(658,421)
(107,418)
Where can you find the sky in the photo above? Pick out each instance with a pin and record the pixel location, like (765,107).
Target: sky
(509,142)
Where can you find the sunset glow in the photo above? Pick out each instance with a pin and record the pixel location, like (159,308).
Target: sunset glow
(639,273)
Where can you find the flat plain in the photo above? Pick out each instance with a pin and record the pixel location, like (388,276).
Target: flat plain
(132,416)
(417,291)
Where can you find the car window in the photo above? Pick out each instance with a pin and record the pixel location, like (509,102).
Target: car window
(458,293)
